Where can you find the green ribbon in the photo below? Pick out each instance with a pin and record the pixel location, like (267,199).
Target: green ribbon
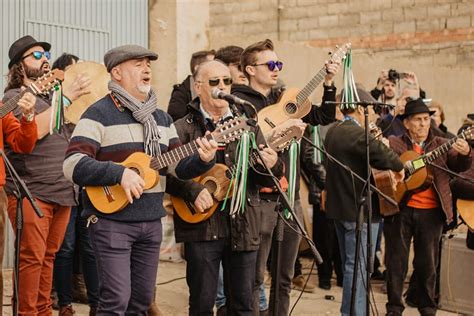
(293,162)
(57,119)
(239,176)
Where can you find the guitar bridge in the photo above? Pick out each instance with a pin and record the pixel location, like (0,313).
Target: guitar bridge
(108,194)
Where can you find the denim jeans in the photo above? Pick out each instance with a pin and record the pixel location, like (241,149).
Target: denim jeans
(346,235)
(76,236)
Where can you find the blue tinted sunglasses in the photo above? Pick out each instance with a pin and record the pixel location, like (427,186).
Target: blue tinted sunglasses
(272,64)
(37,55)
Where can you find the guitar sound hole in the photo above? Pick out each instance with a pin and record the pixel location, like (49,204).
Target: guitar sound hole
(211,186)
(135,170)
(291,108)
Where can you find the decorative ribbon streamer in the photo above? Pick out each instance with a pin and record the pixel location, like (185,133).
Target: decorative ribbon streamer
(350,90)
(316,138)
(293,162)
(239,177)
(57,114)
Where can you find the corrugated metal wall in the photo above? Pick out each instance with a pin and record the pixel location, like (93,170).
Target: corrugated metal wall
(86,28)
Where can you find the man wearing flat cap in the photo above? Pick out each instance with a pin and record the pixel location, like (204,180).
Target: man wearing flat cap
(42,171)
(127,243)
(423,214)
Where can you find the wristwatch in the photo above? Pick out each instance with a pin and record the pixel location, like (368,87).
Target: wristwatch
(29,117)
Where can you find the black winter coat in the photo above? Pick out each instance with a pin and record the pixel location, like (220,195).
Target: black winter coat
(242,228)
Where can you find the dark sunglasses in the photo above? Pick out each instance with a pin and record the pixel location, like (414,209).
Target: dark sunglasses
(272,64)
(37,55)
(215,82)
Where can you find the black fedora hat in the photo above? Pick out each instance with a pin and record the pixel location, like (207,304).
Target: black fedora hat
(21,45)
(415,106)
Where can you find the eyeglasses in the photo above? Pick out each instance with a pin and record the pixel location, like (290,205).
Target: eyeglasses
(272,64)
(215,82)
(38,55)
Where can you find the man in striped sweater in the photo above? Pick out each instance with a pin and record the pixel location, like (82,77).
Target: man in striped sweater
(127,120)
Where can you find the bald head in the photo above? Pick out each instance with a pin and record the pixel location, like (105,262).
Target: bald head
(208,76)
(209,67)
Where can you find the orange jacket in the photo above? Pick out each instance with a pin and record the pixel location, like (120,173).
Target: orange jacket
(21,136)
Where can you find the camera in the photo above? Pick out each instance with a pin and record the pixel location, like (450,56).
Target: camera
(394,75)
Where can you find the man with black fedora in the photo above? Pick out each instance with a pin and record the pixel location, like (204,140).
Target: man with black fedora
(423,214)
(42,171)
(127,120)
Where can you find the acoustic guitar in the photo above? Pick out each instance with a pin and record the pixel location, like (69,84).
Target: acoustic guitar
(218,179)
(293,102)
(41,86)
(418,176)
(384,181)
(111,199)
(466,211)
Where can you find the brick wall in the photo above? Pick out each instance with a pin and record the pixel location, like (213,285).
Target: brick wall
(434,38)
(368,23)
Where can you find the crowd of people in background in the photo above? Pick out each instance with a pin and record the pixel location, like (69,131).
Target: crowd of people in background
(230,254)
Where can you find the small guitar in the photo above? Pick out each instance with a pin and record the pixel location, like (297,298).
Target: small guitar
(418,176)
(294,103)
(466,211)
(111,199)
(218,179)
(384,181)
(40,86)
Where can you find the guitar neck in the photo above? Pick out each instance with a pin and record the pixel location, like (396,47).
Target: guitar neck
(175,155)
(12,104)
(304,94)
(441,150)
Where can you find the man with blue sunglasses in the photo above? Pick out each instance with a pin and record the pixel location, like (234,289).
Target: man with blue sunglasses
(261,66)
(42,171)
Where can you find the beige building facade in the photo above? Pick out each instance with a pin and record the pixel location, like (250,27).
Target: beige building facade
(433,38)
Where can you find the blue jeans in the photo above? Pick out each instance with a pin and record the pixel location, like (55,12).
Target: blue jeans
(346,235)
(76,236)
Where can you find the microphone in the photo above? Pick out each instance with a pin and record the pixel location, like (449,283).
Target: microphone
(219,94)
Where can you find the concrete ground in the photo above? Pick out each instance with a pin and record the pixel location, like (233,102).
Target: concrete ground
(172,296)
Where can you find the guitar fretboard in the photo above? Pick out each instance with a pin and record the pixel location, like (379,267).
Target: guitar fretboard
(441,150)
(175,155)
(11,104)
(304,94)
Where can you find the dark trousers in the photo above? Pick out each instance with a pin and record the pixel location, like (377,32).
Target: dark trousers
(127,259)
(325,239)
(425,227)
(202,274)
(76,235)
(268,222)
(288,253)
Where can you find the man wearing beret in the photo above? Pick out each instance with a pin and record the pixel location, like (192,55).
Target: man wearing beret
(42,171)
(423,214)
(127,243)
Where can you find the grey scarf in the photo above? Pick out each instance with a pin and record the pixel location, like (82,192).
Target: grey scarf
(142,112)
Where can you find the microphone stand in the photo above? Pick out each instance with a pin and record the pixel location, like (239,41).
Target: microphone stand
(452,173)
(367,200)
(20,193)
(279,230)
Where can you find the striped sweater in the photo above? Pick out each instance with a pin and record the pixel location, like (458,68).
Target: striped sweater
(106,134)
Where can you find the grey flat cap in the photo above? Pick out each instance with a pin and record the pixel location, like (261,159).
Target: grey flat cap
(123,53)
